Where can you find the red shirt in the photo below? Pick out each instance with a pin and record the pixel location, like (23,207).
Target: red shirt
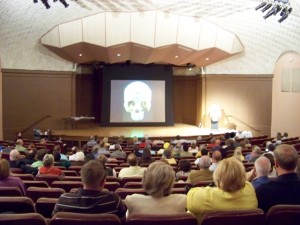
(50,170)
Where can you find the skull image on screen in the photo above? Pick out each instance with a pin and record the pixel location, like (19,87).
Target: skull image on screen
(137,99)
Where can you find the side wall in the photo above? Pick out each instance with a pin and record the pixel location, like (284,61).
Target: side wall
(285,109)
(245,101)
(31,96)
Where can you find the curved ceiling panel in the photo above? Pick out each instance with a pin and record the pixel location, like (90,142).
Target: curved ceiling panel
(142,37)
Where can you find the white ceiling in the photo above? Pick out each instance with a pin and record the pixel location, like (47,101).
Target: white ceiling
(23,23)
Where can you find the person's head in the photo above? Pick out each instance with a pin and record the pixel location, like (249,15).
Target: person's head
(93,175)
(118,147)
(271,158)
(177,137)
(216,156)
(262,166)
(132,160)
(159,179)
(48,160)
(4,169)
(74,149)
(271,147)
(286,158)
(193,144)
(285,134)
(204,151)
(237,152)
(146,153)
(14,155)
(41,153)
(230,175)
(168,153)
(102,159)
(20,142)
(57,148)
(32,154)
(184,165)
(213,140)
(278,136)
(185,147)
(256,151)
(204,162)
(218,142)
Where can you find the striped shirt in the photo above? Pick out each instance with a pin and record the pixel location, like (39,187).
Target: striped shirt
(91,201)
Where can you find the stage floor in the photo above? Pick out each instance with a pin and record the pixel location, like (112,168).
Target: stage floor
(165,131)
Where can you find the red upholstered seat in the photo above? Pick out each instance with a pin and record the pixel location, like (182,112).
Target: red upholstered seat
(234,217)
(67,218)
(16,205)
(283,215)
(24,218)
(153,219)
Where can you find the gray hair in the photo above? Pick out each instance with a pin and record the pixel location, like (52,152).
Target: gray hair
(204,162)
(262,166)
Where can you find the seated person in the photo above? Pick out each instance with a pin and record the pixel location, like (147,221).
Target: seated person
(185,153)
(61,162)
(183,169)
(133,170)
(169,157)
(17,161)
(146,157)
(91,198)
(49,167)
(204,174)
(109,171)
(232,191)
(158,182)
(6,180)
(39,156)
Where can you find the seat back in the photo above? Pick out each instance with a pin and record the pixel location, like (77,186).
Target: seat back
(154,219)
(123,192)
(10,191)
(124,180)
(35,183)
(283,214)
(67,218)
(67,185)
(38,192)
(234,217)
(16,205)
(45,206)
(23,218)
(48,178)
(133,185)
(24,176)
(112,186)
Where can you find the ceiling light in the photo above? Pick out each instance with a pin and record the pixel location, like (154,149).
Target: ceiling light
(80,54)
(207,59)
(176,56)
(119,54)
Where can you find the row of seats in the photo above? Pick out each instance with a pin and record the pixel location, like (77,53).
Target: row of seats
(277,215)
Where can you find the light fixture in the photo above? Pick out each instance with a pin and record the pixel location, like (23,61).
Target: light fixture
(190,66)
(46,4)
(274,7)
(176,56)
(119,54)
(80,54)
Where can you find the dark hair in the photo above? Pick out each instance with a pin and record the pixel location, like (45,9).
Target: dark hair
(185,147)
(56,156)
(204,151)
(271,158)
(184,165)
(41,153)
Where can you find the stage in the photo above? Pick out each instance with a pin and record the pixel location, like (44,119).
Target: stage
(184,130)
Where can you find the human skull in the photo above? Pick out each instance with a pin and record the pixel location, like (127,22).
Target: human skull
(137,99)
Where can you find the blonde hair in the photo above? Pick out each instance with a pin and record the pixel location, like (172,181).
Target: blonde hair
(4,169)
(238,153)
(230,175)
(159,179)
(48,160)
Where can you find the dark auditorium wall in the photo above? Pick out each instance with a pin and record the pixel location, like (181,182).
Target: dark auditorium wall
(29,96)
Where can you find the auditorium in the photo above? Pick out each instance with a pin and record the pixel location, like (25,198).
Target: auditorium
(144,76)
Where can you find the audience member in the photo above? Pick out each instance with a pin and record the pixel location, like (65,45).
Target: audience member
(204,174)
(133,170)
(185,153)
(202,151)
(183,169)
(277,139)
(272,173)
(238,154)
(20,146)
(284,189)
(232,191)
(49,167)
(91,198)
(57,148)
(59,162)
(178,148)
(136,150)
(169,157)
(16,161)
(158,182)
(255,154)
(216,159)
(109,171)
(146,156)
(103,150)
(93,141)
(285,136)
(40,156)
(118,153)
(6,180)
(259,175)
(193,148)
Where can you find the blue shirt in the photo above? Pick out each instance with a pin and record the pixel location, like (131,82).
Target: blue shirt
(260,180)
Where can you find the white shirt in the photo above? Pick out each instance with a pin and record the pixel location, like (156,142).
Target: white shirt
(132,171)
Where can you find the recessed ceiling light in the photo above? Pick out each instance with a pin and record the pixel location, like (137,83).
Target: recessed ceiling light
(119,54)
(207,59)
(176,56)
(80,54)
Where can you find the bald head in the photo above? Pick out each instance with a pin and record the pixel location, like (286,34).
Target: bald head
(262,166)
(14,155)
(286,157)
(204,162)
(216,156)
(132,160)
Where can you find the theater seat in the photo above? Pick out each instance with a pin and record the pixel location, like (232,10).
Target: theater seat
(67,185)
(48,178)
(154,219)
(234,217)
(10,191)
(24,218)
(67,218)
(36,192)
(35,183)
(45,206)
(16,205)
(283,215)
